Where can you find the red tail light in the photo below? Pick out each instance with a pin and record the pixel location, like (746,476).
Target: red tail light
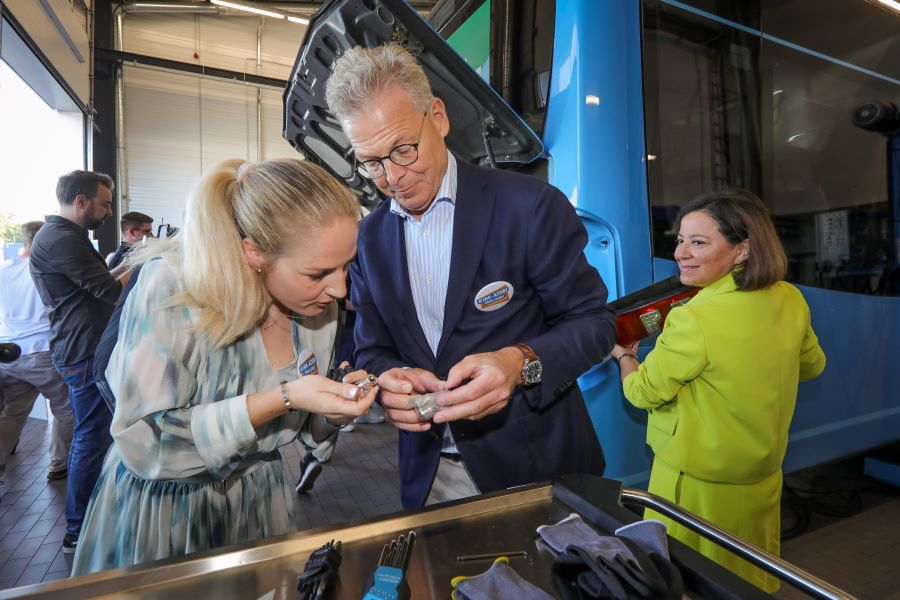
(643,313)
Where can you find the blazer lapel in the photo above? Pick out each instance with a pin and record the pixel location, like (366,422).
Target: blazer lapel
(471,221)
(395,244)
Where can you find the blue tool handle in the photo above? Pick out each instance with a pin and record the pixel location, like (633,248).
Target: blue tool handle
(387,583)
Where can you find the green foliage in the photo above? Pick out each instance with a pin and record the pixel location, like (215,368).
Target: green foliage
(9,229)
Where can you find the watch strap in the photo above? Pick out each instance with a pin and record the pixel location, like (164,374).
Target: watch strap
(525,349)
(532,369)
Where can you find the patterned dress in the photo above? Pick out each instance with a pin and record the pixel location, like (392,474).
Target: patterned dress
(187,471)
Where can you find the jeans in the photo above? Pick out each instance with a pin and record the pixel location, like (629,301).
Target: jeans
(90,439)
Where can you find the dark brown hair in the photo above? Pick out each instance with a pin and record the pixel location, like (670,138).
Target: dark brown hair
(741,215)
(74,183)
(133,219)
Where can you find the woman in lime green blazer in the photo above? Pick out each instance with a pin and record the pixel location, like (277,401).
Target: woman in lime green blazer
(721,383)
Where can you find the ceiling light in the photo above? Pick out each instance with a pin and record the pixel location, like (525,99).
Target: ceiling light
(248,8)
(891,4)
(298,20)
(172,6)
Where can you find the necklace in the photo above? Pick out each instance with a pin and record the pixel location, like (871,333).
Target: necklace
(271,322)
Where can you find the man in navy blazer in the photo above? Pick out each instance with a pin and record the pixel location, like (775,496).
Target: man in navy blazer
(471,283)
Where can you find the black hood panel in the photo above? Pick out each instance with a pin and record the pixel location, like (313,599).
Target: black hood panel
(472,105)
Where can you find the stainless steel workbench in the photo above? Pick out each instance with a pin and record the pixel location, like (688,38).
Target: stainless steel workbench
(495,523)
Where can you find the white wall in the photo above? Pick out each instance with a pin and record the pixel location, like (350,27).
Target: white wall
(179,125)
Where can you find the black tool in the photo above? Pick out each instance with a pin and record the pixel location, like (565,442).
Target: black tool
(9,352)
(338,373)
(320,570)
(388,582)
(493,555)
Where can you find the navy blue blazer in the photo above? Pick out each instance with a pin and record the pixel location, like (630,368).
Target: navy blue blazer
(512,228)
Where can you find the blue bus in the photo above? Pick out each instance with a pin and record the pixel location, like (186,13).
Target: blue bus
(634,107)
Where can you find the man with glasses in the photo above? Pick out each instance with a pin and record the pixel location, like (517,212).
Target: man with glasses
(469,282)
(135,227)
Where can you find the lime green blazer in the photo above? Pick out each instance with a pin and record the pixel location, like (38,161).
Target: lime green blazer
(721,383)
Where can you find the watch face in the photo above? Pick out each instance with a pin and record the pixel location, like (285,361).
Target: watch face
(532,373)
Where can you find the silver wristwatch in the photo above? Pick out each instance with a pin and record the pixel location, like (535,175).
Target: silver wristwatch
(532,369)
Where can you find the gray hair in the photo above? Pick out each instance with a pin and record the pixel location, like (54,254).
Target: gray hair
(362,73)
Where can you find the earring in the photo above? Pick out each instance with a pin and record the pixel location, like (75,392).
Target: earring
(258,270)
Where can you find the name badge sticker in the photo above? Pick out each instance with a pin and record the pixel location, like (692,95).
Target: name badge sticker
(494,296)
(307,364)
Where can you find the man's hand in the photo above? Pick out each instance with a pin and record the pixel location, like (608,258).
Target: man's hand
(398,386)
(493,377)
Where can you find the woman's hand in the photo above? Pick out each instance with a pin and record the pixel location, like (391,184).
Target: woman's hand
(339,401)
(626,367)
(618,351)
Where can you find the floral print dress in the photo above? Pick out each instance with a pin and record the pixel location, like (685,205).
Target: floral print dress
(187,471)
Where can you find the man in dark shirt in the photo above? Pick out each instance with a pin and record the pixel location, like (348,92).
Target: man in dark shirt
(75,284)
(135,227)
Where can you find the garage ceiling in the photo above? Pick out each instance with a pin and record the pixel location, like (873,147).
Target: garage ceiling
(287,7)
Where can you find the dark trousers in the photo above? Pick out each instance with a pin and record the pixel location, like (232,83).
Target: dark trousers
(90,439)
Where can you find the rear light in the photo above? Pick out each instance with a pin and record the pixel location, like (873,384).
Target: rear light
(643,313)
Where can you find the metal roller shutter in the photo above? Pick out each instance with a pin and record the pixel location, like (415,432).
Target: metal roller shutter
(178,126)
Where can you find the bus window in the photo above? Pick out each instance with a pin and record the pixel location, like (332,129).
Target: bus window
(510,44)
(729,108)
(701,112)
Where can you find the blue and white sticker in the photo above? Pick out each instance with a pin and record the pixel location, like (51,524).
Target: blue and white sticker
(307,364)
(494,296)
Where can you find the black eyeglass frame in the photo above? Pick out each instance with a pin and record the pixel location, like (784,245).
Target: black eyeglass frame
(366,172)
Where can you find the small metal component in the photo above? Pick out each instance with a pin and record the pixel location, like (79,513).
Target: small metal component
(493,555)
(426,406)
(362,387)
(365,386)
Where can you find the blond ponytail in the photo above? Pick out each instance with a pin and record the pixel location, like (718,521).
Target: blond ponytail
(273,203)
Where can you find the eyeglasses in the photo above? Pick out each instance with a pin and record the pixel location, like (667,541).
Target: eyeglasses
(402,156)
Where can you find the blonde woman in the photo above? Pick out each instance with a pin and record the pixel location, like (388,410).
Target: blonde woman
(204,370)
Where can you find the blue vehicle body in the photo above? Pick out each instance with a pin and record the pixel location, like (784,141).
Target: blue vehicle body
(598,160)
(768,127)
(595,140)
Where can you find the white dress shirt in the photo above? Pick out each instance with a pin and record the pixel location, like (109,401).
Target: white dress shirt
(429,244)
(24,319)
